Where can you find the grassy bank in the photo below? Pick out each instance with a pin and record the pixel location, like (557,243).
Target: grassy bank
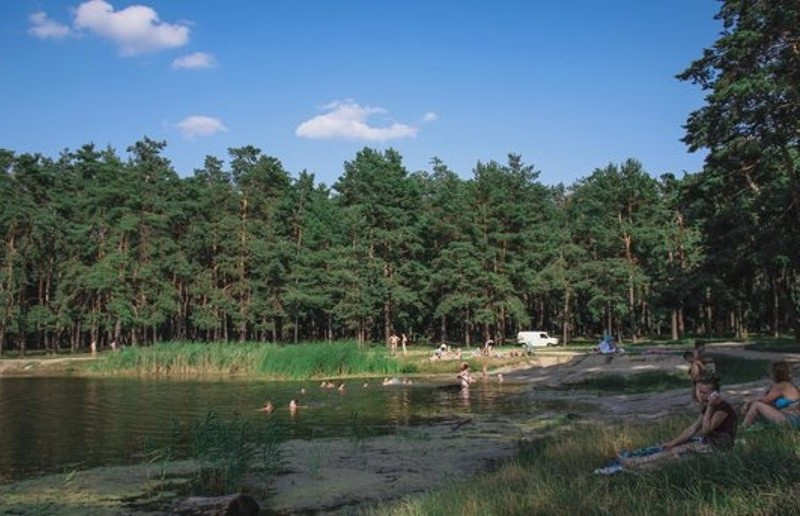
(731,369)
(290,362)
(649,381)
(774,344)
(554,476)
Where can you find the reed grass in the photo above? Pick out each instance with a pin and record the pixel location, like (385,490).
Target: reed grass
(554,476)
(289,362)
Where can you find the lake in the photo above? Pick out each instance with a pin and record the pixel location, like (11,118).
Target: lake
(51,424)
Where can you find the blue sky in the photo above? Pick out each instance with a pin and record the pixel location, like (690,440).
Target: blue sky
(572,85)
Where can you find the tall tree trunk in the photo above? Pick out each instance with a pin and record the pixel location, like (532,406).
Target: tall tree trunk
(674,324)
(387,320)
(502,326)
(567,317)
(468,332)
(775,308)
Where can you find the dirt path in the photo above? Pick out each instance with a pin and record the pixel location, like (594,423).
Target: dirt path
(35,365)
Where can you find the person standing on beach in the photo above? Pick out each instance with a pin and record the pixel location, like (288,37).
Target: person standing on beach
(393,341)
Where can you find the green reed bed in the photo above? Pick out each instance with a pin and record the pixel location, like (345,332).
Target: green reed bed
(231,455)
(300,361)
(554,476)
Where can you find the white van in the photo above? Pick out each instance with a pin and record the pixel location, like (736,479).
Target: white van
(534,339)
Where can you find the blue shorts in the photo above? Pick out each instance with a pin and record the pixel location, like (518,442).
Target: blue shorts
(793,420)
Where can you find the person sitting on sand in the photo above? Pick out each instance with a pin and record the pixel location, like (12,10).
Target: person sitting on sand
(463,375)
(779,404)
(439,352)
(714,429)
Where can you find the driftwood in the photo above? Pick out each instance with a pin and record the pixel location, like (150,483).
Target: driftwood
(229,505)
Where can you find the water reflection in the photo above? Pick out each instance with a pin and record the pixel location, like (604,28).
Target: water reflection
(54,424)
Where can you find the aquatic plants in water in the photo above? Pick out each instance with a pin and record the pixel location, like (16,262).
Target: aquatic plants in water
(291,361)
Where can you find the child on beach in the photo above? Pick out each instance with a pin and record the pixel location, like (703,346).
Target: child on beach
(696,366)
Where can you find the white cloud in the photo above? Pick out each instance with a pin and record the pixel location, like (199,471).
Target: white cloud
(195,61)
(348,119)
(200,125)
(429,117)
(44,28)
(135,29)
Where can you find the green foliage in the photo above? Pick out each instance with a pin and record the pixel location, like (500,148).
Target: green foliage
(226,451)
(747,195)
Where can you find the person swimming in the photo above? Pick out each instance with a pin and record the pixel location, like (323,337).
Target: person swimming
(463,375)
(267,408)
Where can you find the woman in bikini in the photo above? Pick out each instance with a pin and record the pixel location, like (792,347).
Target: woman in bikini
(780,404)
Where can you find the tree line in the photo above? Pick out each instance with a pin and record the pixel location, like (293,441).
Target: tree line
(97,248)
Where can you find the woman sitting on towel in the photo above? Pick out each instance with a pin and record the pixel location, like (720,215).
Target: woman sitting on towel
(714,429)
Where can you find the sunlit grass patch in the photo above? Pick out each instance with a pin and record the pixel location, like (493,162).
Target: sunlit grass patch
(554,476)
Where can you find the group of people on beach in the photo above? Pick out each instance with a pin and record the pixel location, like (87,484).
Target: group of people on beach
(395,339)
(717,423)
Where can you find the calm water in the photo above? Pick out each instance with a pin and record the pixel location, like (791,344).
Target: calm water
(62,423)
